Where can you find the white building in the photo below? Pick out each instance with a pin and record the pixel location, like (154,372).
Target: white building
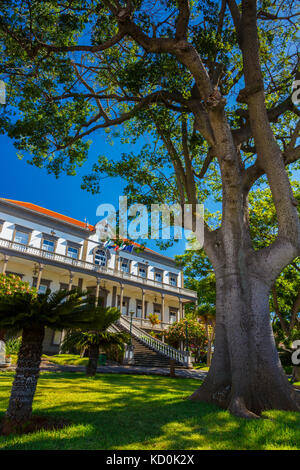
(48,249)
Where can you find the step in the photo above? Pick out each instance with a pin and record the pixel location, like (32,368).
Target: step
(145,355)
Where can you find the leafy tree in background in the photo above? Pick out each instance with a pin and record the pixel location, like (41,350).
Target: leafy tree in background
(207,85)
(285,292)
(199,276)
(178,332)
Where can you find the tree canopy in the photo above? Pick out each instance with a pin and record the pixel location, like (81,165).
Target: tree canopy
(209,84)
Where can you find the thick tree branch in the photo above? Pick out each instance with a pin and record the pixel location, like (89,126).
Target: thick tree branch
(182,21)
(190,186)
(245,133)
(269,155)
(208,159)
(295,311)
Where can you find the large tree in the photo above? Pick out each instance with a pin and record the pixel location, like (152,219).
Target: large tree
(285,293)
(209,84)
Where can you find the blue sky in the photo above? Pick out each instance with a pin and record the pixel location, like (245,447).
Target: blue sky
(24,182)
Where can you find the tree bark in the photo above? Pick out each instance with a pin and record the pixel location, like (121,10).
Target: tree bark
(27,373)
(91,368)
(246,376)
(296,374)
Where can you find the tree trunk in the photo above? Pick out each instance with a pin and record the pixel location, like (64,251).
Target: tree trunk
(246,376)
(296,374)
(209,352)
(27,373)
(91,368)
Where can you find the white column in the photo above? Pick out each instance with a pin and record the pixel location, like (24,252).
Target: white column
(143,306)
(97,290)
(163,308)
(180,309)
(121,298)
(38,281)
(6,258)
(71,280)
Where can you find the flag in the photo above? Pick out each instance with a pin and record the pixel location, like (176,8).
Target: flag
(128,248)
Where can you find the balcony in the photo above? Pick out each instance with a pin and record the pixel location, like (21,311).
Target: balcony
(38,255)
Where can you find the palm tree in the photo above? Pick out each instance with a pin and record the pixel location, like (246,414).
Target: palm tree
(96,338)
(31,313)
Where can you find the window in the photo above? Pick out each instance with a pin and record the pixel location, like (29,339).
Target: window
(172,316)
(158,276)
(100,257)
(142,271)
(56,338)
(173,280)
(48,245)
(124,265)
(72,252)
(125,305)
(124,308)
(21,237)
(139,310)
(42,289)
(157,311)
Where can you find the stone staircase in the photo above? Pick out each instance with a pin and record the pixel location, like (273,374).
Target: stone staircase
(146,349)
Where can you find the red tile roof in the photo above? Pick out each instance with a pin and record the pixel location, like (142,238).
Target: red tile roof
(65,218)
(55,215)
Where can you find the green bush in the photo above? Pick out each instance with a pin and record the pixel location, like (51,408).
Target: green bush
(12,346)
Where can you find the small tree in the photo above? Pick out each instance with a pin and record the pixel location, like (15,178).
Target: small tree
(153,318)
(209,322)
(196,335)
(31,313)
(99,337)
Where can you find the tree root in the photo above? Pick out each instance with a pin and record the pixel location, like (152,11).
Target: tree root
(224,397)
(238,408)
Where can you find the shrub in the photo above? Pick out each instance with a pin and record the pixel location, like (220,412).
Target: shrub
(12,346)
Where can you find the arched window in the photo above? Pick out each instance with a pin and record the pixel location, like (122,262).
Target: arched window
(100,257)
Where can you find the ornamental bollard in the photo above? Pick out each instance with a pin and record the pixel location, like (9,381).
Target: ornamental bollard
(188,360)
(2,353)
(4,362)
(129,354)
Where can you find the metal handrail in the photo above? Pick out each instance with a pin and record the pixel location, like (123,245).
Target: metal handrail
(154,343)
(44,254)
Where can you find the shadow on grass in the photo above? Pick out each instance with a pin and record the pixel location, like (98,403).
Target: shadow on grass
(143,412)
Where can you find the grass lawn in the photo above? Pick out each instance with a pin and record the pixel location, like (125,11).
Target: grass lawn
(67,359)
(141,412)
(202,367)
(62,359)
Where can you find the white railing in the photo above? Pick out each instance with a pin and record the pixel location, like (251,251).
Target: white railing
(113,329)
(163,348)
(67,260)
